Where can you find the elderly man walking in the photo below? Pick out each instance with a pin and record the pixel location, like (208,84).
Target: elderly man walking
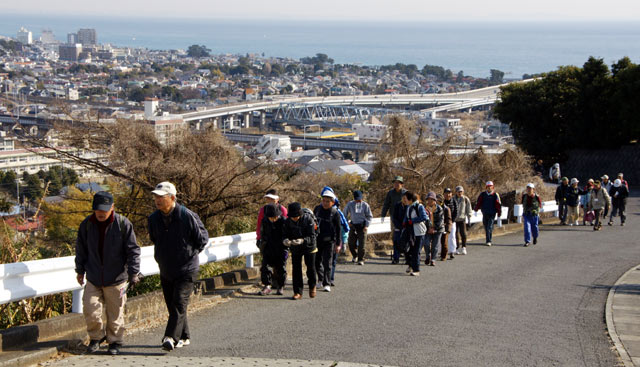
(490,205)
(359,214)
(178,236)
(531,204)
(107,253)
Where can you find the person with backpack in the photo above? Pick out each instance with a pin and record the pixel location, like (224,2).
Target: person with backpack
(490,205)
(344,236)
(585,199)
(108,254)
(274,254)
(531,205)
(464,209)
(398,245)
(561,200)
(598,201)
(573,202)
(436,215)
(300,236)
(415,227)
(359,214)
(178,237)
(619,194)
(329,238)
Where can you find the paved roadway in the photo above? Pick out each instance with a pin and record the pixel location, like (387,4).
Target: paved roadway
(501,306)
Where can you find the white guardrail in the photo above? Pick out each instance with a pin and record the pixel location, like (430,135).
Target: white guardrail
(38,278)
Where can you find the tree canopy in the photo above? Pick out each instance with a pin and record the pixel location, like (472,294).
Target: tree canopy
(573,107)
(198,51)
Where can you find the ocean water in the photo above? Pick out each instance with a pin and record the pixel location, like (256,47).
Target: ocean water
(473,47)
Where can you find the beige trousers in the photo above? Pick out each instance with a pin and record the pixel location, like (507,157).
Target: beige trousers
(95,300)
(573,212)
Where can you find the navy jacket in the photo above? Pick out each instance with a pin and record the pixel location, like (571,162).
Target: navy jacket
(329,223)
(176,247)
(272,234)
(120,254)
(398,213)
(304,228)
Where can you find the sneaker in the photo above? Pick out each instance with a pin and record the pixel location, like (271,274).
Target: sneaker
(415,274)
(168,344)
(451,257)
(489,244)
(464,251)
(94,345)
(527,244)
(332,284)
(535,241)
(114,349)
(431,263)
(394,262)
(610,223)
(622,224)
(296,296)
(354,260)
(570,224)
(327,288)
(279,292)
(265,291)
(183,343)
(360,262)
(408,269)
(576,223)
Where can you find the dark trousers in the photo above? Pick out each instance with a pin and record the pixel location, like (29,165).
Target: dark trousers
(461,233)
(562,212)
(598,215)
(296,264)
(273,270)
(618,209)
(324,260)
(396,245)
(357,234)
(487,221)
(334,263)
(431,245)
(176,296)
(414,254)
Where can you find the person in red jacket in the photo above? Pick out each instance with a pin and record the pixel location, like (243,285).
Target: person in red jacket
(490,205)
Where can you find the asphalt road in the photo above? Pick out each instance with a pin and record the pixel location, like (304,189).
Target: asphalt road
(500,306)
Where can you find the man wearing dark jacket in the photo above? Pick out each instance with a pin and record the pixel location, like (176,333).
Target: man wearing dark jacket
(274,254)
(561,199)
(178,236)
(393,197)
(329,237)
(300,236)
(107,252)
(397,219)
(490,205)
(619,194)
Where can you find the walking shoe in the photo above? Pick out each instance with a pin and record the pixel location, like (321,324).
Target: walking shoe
(451,257)
(183,343)
(354,260)
(489,244)
(332,284)
(297,296)
(394,262)
(415,274)
(576,223)
(114,349)
(327,288)
(443,258)
(610,223)
(168,344)
(408,269)
(535,241)
(279,292)
(527,244)
(94,345)
(360,262)
(622,224)
(312,292)
(265,291)
(464,251)
(431,263)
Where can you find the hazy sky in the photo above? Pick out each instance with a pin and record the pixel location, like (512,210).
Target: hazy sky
(392,10)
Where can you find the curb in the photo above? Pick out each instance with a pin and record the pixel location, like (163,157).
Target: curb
(611,329)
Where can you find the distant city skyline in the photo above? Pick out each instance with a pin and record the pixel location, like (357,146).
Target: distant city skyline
(365,10)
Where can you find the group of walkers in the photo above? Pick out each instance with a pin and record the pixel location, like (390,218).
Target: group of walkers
(108,256)
(597,199)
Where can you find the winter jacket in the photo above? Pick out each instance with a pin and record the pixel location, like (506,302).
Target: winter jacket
(358,213)
(599,199)
(390,201)
(272,235)
(453,207)
(440,217)
(489,204)
(120,253)
(329,223)
(447,219)
(417,218)
(561,194)
(283,211)
(397,218)
(531,204)
(464,208)
(573,195)
(607,186)
(622,195)
(177,245)
(586,197)
(304,228)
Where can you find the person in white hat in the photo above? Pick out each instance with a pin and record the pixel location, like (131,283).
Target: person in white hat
(329,238)
(490,205)
(465,209)
(619,194)
(271,197)
(531,205)
(573,201)
(178,236)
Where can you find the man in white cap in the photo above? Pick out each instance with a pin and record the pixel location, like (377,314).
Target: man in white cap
(463,205)
(573,201)
(329,237)
(490,205)
(531,204)
(606,183)
(178,236)
(619,194)
(271,197)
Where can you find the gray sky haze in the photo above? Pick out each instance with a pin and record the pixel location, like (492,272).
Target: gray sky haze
(364,10)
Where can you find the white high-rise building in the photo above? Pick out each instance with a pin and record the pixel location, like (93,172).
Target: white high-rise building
(25,36)
(72,38)
(47,37)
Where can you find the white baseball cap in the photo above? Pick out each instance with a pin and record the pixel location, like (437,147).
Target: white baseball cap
(489,183)
(272,196)
(574,180)
(329,194)
(531,185)
(165,188)
(617,182)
